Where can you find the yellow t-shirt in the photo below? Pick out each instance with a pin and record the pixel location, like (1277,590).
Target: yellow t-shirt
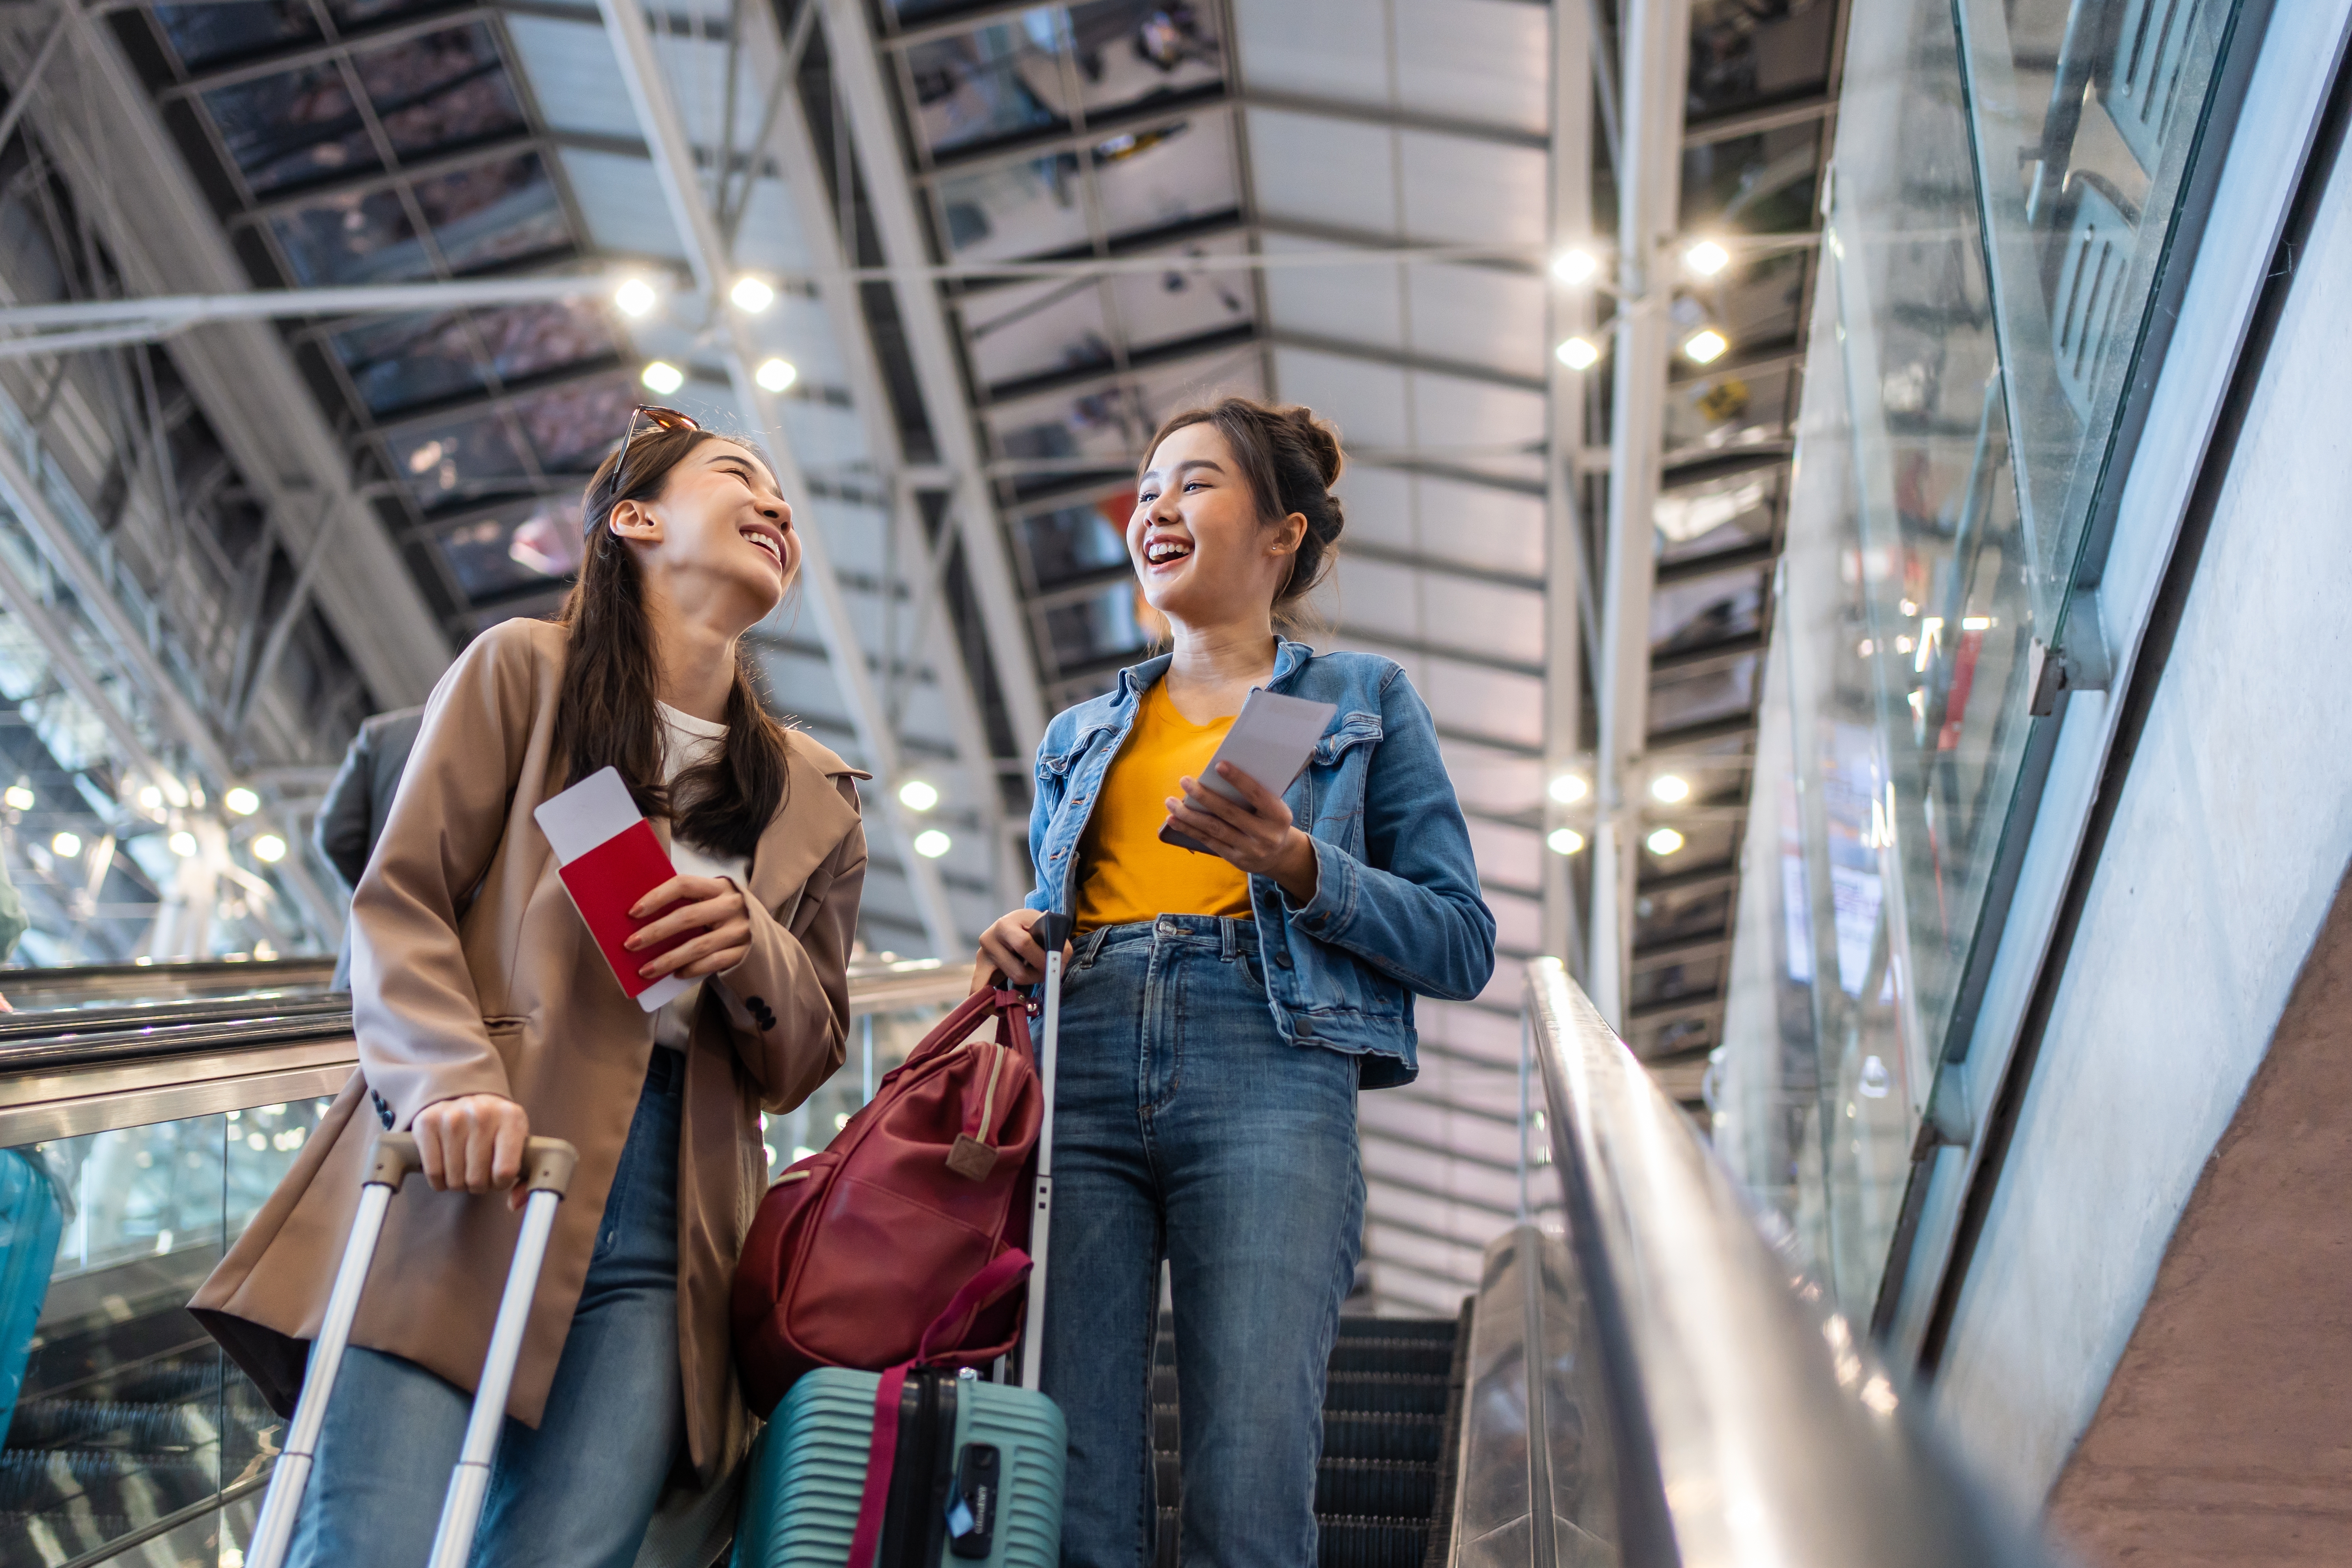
(1125,873)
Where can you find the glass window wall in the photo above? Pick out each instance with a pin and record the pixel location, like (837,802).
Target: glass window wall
(2005,185)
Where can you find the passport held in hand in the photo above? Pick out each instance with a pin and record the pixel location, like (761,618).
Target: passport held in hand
(610,858)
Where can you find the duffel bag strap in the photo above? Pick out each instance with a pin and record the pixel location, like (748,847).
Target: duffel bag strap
(982,1291)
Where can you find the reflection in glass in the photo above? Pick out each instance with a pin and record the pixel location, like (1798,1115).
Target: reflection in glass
(494,212)
(527,340)
(216,35)
(401,362)
(1102,625)
(1036,329)
(440,90)
(992,82)
(293,129)
(1747,52)
(1075,541)
(1163,175)
(572,428)
(467,459)
(355,238)
(126,1411)
(1185,301)
(503,555)
(1029,208)
(2097,104)
(1128,52)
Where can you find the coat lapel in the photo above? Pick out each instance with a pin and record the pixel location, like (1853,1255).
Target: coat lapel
(814,820)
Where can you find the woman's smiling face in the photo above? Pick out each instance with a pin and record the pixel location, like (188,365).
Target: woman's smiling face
(1200,548)
(719,523)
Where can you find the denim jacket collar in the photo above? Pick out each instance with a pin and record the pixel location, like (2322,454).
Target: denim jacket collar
(1138,679)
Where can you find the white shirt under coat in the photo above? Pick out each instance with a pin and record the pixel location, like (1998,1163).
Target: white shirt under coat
(687,742)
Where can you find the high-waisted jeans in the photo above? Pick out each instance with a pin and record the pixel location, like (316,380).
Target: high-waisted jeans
(581,1489)
(1187,1129)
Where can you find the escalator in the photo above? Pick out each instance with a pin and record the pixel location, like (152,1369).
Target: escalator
(1656,1386)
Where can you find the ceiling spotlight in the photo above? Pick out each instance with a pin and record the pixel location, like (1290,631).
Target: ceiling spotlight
(775,374)
(1573,266)
(916,795)
(19,797)
(1670,788)
(66,846)
(1577,353)
(150,799)
(1705,347)
(242,801)
(930,844)
(269,848)
(666,378)
(635,297)
(1564,841)
(1569,788)
(1707,259)
(183,843)
(1665,841)
(753,294)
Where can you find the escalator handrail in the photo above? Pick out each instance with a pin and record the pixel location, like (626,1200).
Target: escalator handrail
(1754,1427)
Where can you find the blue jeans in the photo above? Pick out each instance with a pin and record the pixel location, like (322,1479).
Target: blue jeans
(580,1489)
(1186,1127)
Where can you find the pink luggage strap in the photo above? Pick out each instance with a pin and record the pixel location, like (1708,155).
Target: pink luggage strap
(984,1289)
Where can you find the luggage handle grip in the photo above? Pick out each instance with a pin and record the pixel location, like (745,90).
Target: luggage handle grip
(547,1163)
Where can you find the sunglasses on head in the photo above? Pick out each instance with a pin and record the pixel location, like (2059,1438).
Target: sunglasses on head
(661,419)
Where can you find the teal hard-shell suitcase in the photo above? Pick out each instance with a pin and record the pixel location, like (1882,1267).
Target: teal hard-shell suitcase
(808,1470)
(978,1469)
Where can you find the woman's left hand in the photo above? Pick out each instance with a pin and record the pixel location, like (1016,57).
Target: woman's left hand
(712,905)
(1254,834)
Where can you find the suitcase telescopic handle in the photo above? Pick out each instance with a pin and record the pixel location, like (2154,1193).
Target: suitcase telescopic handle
(547,1163)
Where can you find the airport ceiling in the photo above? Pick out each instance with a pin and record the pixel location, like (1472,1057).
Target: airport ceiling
(1002,242)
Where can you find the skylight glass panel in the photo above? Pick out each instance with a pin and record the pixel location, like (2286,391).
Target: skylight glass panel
(1181,302)
(500,211)
(1030,208)
(527,550)
(406,361)
(216,35)
(1131,51)
(1159,176)
(1101,625)
(572,428)
(993,82)
(1075,541)
(358,236)
(530,339)
(354,15)
(293,129)
(1030,330)
(443,90)
(461,461)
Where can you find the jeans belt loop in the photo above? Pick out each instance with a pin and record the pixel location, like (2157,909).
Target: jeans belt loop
(1090,944)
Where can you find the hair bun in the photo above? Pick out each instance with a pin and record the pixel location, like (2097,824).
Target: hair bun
(1321,439)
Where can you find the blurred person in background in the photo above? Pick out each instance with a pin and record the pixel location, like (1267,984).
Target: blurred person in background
(352,816)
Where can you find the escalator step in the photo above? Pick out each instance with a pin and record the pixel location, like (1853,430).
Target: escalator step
(1387,1489)
(106,1424)
(1347,1542)
(1372,1435)
(144,1485)
(1370,1355)
(1164,1429)
(1421,1392)
(1164,1551)
(1439,1329)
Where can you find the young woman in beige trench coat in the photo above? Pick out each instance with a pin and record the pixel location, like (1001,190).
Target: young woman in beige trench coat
(486,1013)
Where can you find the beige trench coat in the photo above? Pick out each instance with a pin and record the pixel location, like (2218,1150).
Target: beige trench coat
(472,973)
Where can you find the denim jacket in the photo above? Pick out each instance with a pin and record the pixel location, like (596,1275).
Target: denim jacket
(1396,908)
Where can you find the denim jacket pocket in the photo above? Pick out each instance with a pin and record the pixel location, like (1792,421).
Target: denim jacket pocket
(1354,729)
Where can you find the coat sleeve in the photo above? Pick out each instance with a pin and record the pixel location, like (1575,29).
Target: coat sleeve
(787,999)
(417,1014)
(342,835)
(1411,907)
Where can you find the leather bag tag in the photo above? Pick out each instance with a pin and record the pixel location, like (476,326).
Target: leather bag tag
(972,1159)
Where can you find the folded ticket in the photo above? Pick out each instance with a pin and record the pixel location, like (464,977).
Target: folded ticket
(610,858)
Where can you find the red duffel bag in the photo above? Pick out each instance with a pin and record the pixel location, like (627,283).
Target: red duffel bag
(855,1250)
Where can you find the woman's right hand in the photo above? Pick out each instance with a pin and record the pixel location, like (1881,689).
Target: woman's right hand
(472,1144)
(1008,946)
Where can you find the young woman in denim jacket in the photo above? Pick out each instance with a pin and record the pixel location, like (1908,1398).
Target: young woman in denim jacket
(1220,1011)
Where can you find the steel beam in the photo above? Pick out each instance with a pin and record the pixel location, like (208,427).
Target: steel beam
(1656,35)
(707,255)
(1564,556)
(898,222)
(771,58)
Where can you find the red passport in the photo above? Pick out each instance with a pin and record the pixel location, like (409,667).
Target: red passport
(609,858)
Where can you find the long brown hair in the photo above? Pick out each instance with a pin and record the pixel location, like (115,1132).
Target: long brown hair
(1290,460)
(604,709)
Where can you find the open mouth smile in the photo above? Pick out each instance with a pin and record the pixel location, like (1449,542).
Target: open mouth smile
(769,539)
(1163,550)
